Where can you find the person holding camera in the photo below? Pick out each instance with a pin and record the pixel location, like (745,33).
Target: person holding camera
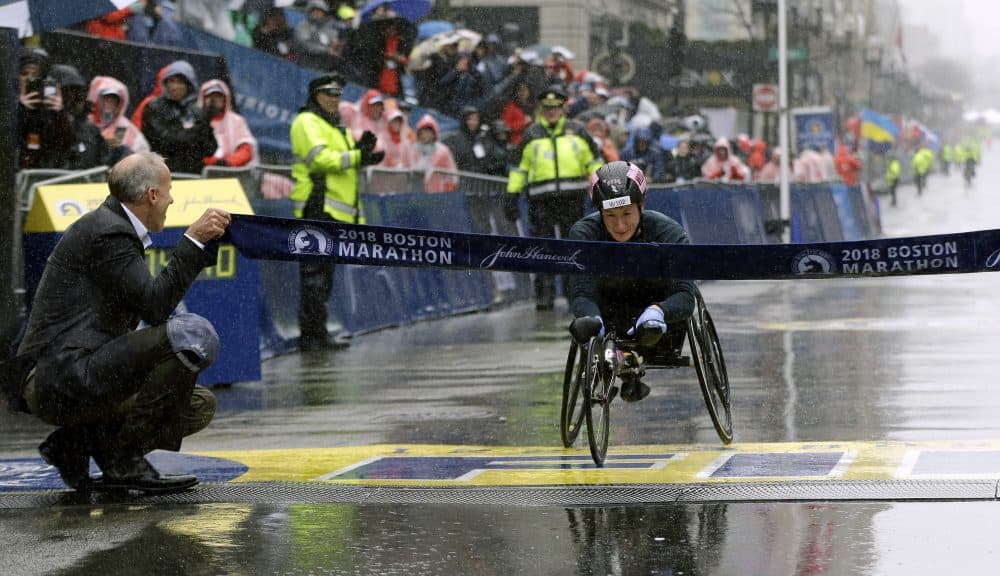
(326,188)
(237,146)
(44,131)
(175,126)
(90,148)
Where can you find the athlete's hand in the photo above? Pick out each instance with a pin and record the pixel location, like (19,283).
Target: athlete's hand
(651,317)
(585,327)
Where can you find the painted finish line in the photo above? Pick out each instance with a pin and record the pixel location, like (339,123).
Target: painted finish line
(455,466)
(270,238)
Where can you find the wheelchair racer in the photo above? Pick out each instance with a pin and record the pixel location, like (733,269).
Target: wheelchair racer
(643,308)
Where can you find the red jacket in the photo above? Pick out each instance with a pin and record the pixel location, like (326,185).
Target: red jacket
(848,166)
(111,25)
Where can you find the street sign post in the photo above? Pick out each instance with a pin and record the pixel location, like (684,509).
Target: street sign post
(765,98)
(793,54)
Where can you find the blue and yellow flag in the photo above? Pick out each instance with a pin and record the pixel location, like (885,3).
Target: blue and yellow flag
(879,131)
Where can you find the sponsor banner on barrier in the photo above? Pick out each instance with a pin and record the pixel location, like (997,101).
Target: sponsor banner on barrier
(291,239)
(59,205)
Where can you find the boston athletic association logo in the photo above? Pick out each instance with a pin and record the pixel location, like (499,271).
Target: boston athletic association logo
(308,240)
(812,262)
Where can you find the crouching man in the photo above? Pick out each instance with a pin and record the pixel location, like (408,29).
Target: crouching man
(115,392)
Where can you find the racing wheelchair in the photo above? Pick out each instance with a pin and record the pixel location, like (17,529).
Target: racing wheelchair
(595,364)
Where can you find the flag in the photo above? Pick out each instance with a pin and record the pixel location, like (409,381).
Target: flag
(878,131)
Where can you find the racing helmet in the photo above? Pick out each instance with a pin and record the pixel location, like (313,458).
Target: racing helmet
(617,184)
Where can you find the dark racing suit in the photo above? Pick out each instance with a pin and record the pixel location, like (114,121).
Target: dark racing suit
(620,300)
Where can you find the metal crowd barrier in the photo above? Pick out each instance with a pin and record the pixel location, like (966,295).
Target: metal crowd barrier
(26,184)
(378,180)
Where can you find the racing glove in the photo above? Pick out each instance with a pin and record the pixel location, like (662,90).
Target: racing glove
(651,319)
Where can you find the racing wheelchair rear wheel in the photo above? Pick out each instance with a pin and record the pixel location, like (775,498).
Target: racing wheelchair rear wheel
(573,396)
(597,397)
(706,354)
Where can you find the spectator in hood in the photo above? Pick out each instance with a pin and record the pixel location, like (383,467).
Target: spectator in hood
(44,131)
(153,95)
(371,110)
(236,144)
(770,173)
(809,167)
(176,127)
(848,165)
(723,164)
(433,158)
(462,85)
(467,144)
(491,65)
(318,41)
(89,148)
(109,100)
(350,117)
(273,35)
(397,142)
(518,112)
(758,157)
(645,153)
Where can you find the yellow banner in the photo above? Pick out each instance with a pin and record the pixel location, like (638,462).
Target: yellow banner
(58,206)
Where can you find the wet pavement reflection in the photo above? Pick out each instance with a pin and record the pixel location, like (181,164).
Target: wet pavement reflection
(838,360)
(681,539)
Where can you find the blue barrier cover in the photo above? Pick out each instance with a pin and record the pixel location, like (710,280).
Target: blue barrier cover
(814,214)
(370,297)
(851,223)
(713,213)
(293,239)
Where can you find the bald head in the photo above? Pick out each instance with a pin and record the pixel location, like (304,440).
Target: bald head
(133,175)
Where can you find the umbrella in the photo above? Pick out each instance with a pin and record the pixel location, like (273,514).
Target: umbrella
(541,50)
(428,28)
(420,56)
(411,10)
(36,16)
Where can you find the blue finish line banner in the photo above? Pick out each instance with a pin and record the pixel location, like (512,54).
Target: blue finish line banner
(269,238)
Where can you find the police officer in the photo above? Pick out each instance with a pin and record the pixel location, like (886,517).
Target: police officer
(326,188)
(556,159)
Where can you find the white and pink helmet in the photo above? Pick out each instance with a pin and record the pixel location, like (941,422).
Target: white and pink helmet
(617,184)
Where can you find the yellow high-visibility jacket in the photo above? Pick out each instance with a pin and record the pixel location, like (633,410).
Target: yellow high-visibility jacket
(327,162)
(554,158)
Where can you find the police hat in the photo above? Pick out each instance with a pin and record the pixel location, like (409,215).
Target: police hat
(552,97)
(331,84)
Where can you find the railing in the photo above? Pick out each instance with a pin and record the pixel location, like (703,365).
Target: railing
(26,185)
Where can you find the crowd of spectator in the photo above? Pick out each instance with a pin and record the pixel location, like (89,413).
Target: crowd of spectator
(489,85)
(70,123)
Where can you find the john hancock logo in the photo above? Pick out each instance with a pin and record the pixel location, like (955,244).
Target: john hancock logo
(534,253)
(812,262)
(307,240)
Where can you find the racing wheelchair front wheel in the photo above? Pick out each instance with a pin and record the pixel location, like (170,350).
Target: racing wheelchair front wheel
(706,353)
(573,396)
(597,397)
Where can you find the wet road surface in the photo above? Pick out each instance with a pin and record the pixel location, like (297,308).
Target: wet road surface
(896,359)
